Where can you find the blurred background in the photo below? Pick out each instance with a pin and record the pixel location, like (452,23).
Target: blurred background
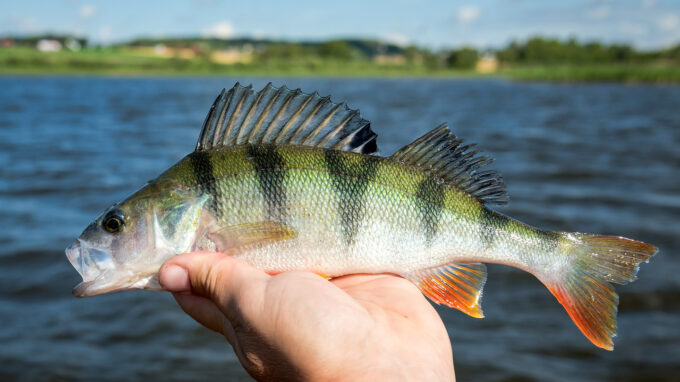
(585,40)
(577,101)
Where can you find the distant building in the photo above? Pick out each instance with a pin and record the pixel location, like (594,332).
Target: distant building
(160,49)
(48,45)
(232,56)
(389,59)
(165,51)
(488,63)
(6,42)
(73,44)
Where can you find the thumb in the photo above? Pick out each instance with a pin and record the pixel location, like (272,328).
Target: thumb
(230,284)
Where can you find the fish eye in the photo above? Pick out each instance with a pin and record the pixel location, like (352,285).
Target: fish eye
(113,221)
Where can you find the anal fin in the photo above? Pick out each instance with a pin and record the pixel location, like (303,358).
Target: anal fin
(454,285)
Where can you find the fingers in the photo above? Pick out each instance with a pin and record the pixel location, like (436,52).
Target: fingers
(351,280)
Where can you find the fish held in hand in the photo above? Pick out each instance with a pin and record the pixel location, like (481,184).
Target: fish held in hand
(285,180)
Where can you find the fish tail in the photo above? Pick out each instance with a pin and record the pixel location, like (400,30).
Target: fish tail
(584,290)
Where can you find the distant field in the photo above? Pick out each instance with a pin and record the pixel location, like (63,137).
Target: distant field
(119,61)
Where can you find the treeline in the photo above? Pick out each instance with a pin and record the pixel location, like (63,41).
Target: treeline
(358,51)
(534,51)
(339,49)
(545,51)
(32,41)
(344,50)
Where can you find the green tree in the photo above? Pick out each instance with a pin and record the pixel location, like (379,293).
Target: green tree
(464,58)
(412,54)
(509,54)
(338,50)
(621,53)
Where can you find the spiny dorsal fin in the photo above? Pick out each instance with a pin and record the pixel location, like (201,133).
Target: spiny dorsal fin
(447,158)
(284,116)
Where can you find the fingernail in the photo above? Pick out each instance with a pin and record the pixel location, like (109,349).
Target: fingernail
(174,279)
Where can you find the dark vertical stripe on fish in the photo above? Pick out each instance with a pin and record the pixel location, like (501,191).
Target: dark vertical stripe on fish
(271,172)
(550,237)
(205,178)
(430,199)
(493,223)
(490,224)
(350,182)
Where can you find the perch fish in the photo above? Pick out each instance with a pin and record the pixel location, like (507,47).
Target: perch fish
(286,180)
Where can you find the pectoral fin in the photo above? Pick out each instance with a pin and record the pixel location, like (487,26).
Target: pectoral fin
(249,234)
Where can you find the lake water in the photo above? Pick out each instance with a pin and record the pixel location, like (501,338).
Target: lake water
(590,158)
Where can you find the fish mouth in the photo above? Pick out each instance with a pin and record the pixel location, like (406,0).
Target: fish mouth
(100,273)
(88,261)
(91,264)
(94,266)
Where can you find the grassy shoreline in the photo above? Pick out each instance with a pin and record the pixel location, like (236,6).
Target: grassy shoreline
(21,61)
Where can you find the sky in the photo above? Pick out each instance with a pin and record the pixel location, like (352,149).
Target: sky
(436,24)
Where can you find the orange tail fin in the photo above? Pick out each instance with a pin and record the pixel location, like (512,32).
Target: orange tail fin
(585,290)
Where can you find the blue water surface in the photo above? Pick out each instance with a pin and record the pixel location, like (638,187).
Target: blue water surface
(601,158)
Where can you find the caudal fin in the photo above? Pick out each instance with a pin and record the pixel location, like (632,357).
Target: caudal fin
(585,290)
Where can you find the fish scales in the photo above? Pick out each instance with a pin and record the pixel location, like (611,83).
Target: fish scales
(356,197)
(285,180)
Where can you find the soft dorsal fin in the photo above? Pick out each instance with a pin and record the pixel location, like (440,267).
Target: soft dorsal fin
(284,116)
(447,158)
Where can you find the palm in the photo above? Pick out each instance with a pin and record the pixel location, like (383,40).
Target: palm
(297,324)
(383,312)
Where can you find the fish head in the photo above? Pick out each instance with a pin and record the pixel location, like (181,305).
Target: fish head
(125,246)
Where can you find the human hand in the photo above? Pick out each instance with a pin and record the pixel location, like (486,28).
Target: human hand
(298,325)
